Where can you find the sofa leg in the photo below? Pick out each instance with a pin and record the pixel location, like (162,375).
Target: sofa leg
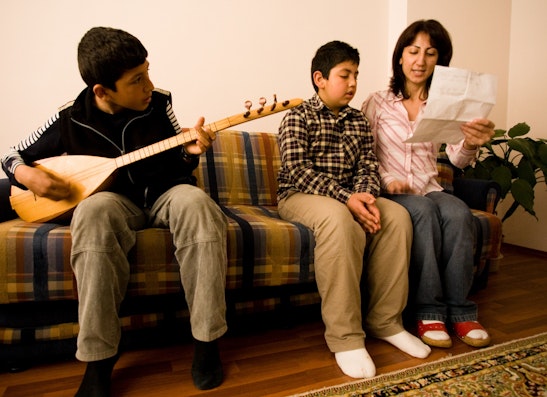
(481,280)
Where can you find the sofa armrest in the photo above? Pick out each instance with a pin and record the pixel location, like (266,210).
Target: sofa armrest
(6,212)
(478,194)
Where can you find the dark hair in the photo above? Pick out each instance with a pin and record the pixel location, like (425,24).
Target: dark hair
(440,40)
(104,54)
(331,54)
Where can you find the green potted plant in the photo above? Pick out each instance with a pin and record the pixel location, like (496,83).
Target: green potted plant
(516,162)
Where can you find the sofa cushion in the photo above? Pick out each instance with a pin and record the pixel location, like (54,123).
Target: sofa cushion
(263,250)
(486,250)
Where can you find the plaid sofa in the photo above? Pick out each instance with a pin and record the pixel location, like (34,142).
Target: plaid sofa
(270,261)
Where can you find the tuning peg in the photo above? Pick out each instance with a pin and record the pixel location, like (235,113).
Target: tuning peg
(274,102)
(248,105)
(262,101)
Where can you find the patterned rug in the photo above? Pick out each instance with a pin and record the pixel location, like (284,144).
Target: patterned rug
(516,368)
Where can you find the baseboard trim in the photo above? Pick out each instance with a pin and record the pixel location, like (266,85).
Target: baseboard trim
(524,250)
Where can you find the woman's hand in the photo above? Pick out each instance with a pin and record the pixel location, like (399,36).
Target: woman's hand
(399,187)
(477,132)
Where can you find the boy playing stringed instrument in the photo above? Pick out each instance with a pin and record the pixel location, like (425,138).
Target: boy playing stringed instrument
(118,112)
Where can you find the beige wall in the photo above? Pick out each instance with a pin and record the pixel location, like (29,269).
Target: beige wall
(213,55)
(526,100)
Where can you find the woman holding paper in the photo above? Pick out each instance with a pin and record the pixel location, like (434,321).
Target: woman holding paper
(442,252)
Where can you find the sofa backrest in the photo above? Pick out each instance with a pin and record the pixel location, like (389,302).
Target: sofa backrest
(6,213)
(241,168)
(445,169)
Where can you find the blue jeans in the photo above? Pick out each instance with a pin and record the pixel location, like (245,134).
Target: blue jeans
(441,270)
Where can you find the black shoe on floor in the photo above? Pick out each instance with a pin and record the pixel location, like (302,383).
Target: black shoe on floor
(96,381)
(206,367)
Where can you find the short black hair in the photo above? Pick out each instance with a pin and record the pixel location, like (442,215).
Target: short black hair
(331,54)
(440,40)
(104,54)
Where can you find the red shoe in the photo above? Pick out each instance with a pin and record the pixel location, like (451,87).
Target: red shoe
(423,328)
(463,328)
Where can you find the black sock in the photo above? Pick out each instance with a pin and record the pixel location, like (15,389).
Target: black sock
(96,381)
(206,367)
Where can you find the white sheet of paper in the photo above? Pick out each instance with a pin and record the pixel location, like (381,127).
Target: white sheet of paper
(456,96)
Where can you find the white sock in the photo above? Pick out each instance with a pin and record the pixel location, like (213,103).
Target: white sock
(477,333)
(436,335)
(356,363)
(409,344)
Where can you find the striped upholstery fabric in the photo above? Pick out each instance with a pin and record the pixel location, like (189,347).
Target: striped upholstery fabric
(264,251)
(70,330)
(241,169)
(240,174)
(487,244)
(445,173)
(37,266)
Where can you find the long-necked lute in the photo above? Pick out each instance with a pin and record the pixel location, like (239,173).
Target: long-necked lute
(90,174)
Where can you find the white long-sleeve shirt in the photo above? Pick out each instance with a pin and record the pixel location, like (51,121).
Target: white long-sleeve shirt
(414,163)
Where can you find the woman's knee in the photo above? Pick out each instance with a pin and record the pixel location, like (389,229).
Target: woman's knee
(456,211)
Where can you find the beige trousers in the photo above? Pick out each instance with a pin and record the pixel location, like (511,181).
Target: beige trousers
(343,253)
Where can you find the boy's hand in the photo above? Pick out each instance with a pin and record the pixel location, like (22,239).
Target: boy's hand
(42,183)
(364,210)
(204,140)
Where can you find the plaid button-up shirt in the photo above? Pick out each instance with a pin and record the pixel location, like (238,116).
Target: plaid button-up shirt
(326,154)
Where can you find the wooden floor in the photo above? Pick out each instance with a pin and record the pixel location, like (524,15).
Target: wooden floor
(281,362)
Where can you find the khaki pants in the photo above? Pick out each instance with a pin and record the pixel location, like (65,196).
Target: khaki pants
(103,231)
(340,245)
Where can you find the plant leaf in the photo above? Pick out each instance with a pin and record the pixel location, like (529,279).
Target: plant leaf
(542,152)
(499,133)
(523,193)
(526,171)
(481,172)
(518,130)
(498,141)
(510,211)
(492,162)
(523,145)
(502,175)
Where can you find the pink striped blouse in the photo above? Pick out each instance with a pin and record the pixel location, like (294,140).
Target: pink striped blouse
(415,163)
